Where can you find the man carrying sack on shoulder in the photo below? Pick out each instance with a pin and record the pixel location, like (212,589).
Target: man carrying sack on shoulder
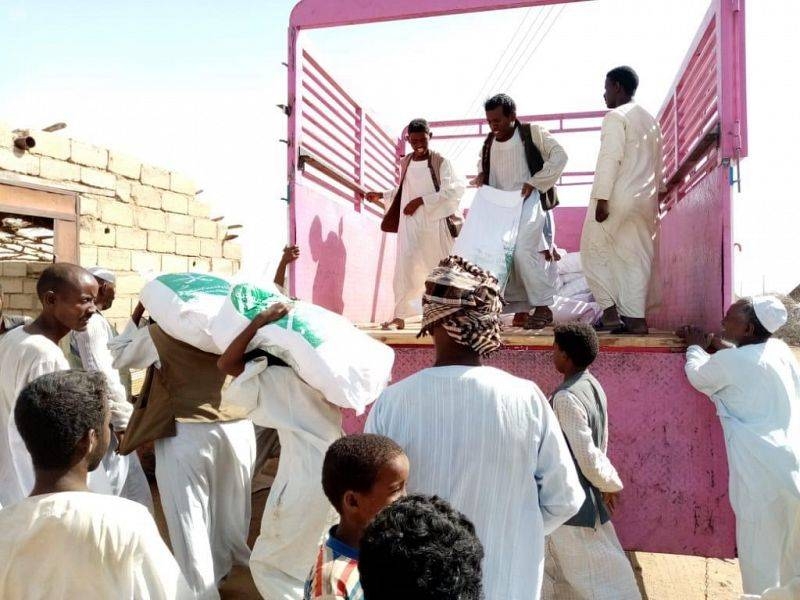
(423,212)
(525,157)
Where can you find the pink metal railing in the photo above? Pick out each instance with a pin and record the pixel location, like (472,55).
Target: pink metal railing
(342,148)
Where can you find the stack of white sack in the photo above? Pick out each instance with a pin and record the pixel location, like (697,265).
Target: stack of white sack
(326,350)
(573,300)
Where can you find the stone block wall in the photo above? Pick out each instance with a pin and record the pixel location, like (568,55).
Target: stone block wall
(134,217)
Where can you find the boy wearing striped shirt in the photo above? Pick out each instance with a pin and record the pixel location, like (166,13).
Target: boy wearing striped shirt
(361,475)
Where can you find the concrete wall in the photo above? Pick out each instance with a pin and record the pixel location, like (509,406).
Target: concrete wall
(134,217)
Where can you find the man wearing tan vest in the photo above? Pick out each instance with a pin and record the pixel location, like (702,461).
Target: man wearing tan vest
(204,451)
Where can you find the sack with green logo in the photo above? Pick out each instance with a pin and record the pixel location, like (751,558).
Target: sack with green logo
(325,349)
(185,304)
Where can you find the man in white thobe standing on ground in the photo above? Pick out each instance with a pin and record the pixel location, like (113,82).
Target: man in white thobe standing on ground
(205,451)
(91,346)
(524,157)
(482,439)
(619,234)
(64,541)
(754,381)
(424,213)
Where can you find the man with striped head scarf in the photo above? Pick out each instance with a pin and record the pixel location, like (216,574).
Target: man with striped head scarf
(466,301)
(454,422)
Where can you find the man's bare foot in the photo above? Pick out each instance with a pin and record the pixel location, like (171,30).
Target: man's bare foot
(539,318)
(396,322)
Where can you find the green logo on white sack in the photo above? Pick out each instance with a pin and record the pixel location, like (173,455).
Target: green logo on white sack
(188,286)
(250,300)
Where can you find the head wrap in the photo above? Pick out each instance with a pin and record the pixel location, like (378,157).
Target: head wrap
(466,301)
(104,274)
(770,312)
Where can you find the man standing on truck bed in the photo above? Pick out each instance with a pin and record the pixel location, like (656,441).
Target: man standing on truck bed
(525,157)
(618,241)
(423,212)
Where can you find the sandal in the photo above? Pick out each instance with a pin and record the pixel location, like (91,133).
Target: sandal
(611,327)
(538,321)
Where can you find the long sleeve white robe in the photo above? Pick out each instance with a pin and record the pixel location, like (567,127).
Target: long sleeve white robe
(204,478)
(82,545)
(584,563)
(423,238)
(533,279)
(23,358)
(489,443)
(618,253)
(756,389)
(297,513)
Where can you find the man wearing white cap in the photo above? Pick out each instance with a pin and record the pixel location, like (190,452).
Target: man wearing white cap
(754,381)
(91,347)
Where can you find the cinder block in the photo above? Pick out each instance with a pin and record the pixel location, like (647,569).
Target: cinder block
(155,177)
(88,255)
(96,233)
(232,251)
(205,228)
(13,269)
(114,259)
(116,213)
(174,202)
(29,286)
(151,219)
(129,283)
(199,265)
(123,190)
(88,155)
(22,301)
(198,209)
(99,179)
(124,165)
(143,262)
(210,248)
(187,245)
(131,238)
(11,285)
(58,170)
(180,224)
(174,264)
(34,269)
(145,195)
(90,206)
(181,183)
(120,310)
(21,162)
(160,242)
(51,144)
(223,266)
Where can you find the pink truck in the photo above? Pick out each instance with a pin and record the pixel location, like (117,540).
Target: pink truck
(666,439)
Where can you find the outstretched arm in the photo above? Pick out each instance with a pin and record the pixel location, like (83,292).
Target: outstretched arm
(290,254)
(232,360)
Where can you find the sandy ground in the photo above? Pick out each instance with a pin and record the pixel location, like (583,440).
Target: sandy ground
(660,576)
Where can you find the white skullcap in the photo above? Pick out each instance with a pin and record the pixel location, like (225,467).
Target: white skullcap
(770,312)
(103,274)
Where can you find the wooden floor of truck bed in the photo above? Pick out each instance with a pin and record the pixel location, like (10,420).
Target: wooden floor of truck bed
(660,341)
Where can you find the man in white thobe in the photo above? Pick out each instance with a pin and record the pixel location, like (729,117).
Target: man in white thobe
(297,513)
(618,239)
(526,158)
(91,347)
(67,295)
(205,451)
(428,196)
(754,381)
(482,439)
(64,541)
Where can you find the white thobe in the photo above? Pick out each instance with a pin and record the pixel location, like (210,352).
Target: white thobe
(297,514)
(618,254)
(756,389)
(124,472)
(82,545)
(423,239)
(584,563)
(23,358)
(204,478)
(488,443)
(533,279)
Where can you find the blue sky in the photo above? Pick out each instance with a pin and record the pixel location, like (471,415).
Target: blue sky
(192,85)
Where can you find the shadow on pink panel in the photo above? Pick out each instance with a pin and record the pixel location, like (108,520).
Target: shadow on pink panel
(569,225)
(665,440)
